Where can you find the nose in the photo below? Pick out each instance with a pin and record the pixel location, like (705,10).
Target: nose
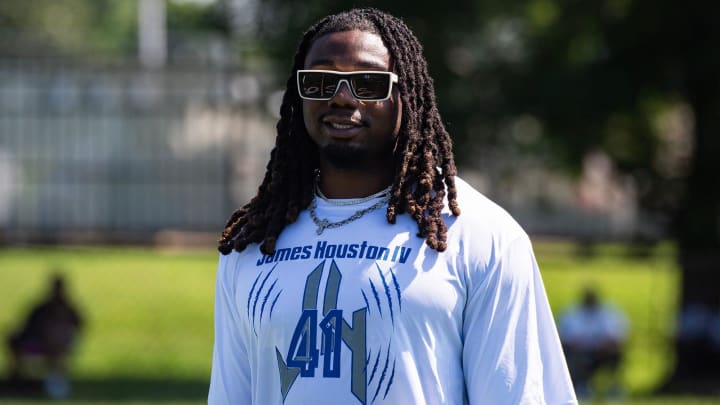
(343,95)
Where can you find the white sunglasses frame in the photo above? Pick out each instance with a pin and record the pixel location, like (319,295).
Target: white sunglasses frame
(393,79)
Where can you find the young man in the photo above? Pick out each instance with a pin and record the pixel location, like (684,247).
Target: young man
(352,278)
(593,334)
(45,340)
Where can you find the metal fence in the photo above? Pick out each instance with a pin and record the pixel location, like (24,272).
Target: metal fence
(119,153)
(117,149)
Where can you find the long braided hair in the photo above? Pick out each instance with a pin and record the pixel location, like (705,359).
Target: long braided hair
(424,164)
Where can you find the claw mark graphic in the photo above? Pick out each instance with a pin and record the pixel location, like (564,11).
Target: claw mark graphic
(377,297)
(387,294)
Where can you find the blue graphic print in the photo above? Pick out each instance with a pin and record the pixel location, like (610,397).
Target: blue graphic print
(255,298)
(379,377)
(326,334)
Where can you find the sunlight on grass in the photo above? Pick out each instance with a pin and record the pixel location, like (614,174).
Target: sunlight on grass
(645,288)
(146,313)
(149,312)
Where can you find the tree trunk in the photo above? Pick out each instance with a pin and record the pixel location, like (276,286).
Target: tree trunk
(698,227)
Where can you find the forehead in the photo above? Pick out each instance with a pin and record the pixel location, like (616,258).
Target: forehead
(348,50)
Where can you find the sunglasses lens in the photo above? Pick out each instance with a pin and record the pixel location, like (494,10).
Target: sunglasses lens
(369,86)
(317,85)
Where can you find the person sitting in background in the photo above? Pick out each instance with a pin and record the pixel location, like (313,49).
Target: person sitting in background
(593,335)
(40,347)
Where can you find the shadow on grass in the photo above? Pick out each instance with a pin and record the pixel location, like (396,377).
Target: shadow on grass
(115,389)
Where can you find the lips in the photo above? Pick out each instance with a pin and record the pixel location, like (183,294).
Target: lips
(337,125)
(341,126)
(341,120)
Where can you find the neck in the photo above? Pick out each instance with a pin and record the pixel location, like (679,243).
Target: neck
(336,183)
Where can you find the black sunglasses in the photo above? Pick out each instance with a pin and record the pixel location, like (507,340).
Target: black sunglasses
(365,85)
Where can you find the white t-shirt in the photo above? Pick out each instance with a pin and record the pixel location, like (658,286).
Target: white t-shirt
(590,329)
(368,314)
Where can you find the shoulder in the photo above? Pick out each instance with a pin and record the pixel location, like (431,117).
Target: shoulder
(612,312)
(571,315)
(485,240)
(481,220)
(232,265)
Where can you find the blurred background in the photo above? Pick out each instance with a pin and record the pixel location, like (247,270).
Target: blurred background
(130,130)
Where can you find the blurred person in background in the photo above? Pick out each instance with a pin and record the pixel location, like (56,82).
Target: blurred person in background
(352,278)
(593,335)
(698,331)
(41,346)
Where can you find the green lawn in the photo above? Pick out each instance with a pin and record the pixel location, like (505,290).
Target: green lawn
(149,314)
(645,288)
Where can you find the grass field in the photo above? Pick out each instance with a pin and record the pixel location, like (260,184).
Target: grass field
(149,314)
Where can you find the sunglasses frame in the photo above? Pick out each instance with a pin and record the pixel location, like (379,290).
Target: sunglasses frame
(345,78)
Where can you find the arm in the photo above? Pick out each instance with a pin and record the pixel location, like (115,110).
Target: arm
(512,353)
(230,378)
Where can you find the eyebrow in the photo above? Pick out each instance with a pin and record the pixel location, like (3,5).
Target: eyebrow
(362,64)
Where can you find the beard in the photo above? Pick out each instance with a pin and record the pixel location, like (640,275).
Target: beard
(346,156)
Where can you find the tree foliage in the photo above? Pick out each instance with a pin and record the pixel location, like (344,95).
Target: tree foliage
(67,27)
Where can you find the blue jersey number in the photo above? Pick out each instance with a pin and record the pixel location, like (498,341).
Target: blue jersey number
(303,352)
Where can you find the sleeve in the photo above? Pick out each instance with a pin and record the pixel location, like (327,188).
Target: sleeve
(230,376)
(568,325)
(512,353)
(616,324)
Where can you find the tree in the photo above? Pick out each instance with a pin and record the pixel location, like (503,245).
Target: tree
(97,28)
(650,53)
(70,27)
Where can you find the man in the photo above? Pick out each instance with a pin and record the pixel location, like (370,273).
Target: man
(48,334)
(593,335)
(352,278)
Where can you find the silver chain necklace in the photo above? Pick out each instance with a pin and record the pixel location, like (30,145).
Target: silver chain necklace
(350,201)
(323,224)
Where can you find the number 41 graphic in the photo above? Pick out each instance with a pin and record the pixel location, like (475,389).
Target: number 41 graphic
(303,353)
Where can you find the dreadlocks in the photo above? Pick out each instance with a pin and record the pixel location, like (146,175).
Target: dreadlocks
(424,163)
